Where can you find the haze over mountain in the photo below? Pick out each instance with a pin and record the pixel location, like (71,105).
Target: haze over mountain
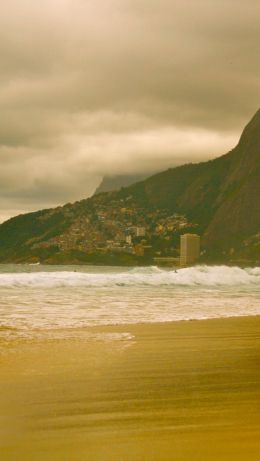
(221,197)
(111,183)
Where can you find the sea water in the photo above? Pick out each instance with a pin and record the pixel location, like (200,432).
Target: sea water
(61,300)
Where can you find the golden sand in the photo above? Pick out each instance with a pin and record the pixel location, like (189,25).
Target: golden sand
(186,391)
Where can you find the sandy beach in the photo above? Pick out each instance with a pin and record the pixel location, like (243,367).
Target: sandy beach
(173,391)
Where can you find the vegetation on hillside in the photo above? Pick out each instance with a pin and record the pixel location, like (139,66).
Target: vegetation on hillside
(220,197)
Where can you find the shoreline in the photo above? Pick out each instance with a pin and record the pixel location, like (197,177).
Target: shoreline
(243,264)
(114,327)
(48,334)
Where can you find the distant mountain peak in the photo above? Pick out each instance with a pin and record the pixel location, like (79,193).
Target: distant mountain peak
(116,182)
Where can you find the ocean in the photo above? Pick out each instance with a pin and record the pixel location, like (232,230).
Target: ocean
(59,301)
(112,363)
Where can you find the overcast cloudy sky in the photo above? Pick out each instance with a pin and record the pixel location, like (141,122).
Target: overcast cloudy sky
(91,87)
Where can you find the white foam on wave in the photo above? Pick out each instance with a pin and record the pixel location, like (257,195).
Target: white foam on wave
(153,276)
(62,299)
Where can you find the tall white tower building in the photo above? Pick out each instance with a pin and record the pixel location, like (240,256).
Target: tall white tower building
(190,249)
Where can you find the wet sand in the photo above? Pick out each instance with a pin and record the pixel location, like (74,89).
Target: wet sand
(175,392)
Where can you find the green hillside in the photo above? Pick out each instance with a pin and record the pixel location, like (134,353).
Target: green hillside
(220,199)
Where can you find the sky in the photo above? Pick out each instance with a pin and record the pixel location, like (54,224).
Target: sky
(104,87)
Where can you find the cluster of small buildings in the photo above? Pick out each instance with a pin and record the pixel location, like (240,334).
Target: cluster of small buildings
(123,228)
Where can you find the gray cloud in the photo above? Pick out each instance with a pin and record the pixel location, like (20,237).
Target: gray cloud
(89,88)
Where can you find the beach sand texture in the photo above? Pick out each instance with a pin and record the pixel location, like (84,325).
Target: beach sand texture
(183,391)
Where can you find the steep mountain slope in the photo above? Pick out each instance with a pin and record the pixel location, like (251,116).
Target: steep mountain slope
(221,196)
(237,213)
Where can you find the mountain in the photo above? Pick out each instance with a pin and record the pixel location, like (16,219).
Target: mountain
(222,195)
(113,183)
(220,199)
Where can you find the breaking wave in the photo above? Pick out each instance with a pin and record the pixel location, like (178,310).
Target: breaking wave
(64,299)
(208,276)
